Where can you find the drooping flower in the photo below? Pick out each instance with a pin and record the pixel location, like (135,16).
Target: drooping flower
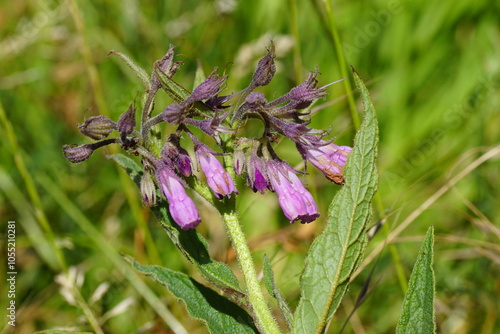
(180,205)
(296,202)
(218,178)
(330,159)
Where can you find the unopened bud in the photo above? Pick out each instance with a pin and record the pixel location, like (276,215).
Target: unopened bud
(265,68)
(77,154)
(208,88)
(148,189)
(126,123)
(97,127)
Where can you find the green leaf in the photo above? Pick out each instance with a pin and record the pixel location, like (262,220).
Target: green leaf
(418,305)
(217,312)
(138,71)
(172,88)
(191,244)
(273,290)
(337,252)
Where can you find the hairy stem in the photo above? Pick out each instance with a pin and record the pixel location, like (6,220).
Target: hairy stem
(265,321)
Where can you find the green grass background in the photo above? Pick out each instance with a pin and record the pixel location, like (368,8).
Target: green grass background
(432,67)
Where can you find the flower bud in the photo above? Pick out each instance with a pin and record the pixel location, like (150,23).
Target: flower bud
(239,161)
(77,154)
(126,123)
(148,189)
(265,68)
(208,88)
(97,127)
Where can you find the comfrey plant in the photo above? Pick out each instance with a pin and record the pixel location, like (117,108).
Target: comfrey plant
(206,109)
(168,168)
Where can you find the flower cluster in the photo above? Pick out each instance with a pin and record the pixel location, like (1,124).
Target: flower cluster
(204,108)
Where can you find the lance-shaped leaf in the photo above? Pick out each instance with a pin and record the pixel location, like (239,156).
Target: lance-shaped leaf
(218,313)
(418,305)
(337,252)
(172,88)
(138,71)
(191,244)
(273,290)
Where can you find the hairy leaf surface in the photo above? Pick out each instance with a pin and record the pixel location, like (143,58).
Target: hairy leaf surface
(418,305)
(336,253)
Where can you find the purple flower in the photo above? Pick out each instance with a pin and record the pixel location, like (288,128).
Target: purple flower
(296,202)
(181,206)
(256,175)
(218,178)
(330,159)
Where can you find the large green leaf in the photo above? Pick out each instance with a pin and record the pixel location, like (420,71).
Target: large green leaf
(337,252)
(190,243)
(217,312)
(418,305)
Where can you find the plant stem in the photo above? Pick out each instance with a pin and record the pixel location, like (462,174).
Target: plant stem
(342,64)
(265,320)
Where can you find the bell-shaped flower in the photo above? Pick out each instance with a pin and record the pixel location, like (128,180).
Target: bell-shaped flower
(180,205)
(218,178)
(330,159)
(296,202)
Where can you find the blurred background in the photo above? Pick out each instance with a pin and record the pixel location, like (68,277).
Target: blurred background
(433,69)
